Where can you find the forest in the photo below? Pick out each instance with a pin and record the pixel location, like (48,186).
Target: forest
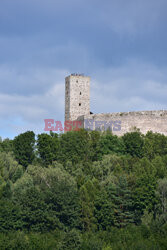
(87,190)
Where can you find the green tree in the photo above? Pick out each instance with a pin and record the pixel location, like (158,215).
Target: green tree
(9,167)
(160,167)
(87,198)
(123,206)
(145,185)
(24,148)
(71,240)
(75,147)
(161,206)
(48,197)
(6,145)
(36,213)
(48,146)
(110,143)
(134,142)
(95,145)
(10,216)
(104,209)
(154,145)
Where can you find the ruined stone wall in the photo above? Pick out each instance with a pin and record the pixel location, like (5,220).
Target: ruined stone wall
(155,121)
(77,96)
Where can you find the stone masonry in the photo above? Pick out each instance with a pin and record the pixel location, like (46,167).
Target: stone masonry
(77,96)
(77,107)
(155,121)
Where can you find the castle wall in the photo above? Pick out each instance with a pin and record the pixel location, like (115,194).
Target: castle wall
(120,123)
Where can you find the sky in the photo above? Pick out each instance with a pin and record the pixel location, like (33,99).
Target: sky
(121,45)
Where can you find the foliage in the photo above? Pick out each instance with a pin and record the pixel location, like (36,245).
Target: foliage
(134,142)
(24,148)
(47,146)
(83,190)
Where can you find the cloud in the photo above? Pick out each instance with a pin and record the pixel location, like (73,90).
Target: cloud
(81,34)
(132,17)
(31,16)
(120,44)
(29,81)
(134,86)
(19,112)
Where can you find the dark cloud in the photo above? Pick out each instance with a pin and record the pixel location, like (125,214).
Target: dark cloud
(121,44)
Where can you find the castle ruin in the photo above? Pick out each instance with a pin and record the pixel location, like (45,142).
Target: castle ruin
(77,107)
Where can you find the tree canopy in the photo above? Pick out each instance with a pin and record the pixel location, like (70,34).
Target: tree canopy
(83,190)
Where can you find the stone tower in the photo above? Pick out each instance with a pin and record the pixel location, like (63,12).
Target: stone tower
(77,96)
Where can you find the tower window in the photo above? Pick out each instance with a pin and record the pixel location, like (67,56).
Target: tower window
(77,81)
(79,104)
(80,93)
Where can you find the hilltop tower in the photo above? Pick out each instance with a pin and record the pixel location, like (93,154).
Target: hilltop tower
(77,96)
(77,107)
